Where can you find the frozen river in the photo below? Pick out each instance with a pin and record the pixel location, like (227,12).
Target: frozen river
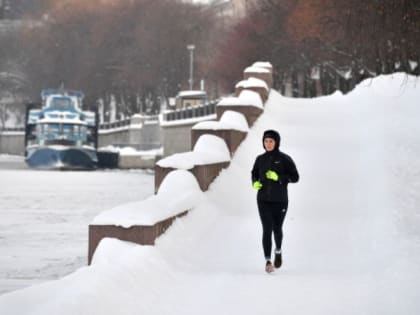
(45,217)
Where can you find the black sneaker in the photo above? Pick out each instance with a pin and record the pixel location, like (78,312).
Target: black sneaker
(278,260)
(269,267)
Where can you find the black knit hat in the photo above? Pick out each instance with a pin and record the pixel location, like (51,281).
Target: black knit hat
(272,134)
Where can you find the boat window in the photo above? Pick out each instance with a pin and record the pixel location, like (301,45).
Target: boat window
(48,131)
(76,129)
(61,102)
(68,129)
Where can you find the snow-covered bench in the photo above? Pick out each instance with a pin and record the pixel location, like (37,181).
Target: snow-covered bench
(209,156)
(253,84)
(143,221)
(248,103)
(232,128)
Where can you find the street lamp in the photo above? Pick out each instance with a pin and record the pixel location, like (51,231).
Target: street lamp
(191,49)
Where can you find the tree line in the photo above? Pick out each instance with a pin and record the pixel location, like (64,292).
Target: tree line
(133,53)
(320,46)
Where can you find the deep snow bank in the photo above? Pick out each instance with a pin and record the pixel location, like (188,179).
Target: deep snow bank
(352,234)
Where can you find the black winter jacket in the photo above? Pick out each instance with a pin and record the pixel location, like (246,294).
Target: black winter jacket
(283,165)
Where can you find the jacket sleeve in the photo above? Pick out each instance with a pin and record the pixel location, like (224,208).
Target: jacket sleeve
(255,171)
(292,173)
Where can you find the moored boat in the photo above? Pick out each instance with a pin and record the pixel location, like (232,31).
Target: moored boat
(61,135)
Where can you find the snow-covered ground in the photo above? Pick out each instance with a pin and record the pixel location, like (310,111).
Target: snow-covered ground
(45,217)
(352,233)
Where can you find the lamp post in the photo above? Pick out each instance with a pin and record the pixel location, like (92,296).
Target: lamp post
(191,49)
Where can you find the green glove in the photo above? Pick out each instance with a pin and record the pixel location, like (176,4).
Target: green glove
(257,185)
(272,175)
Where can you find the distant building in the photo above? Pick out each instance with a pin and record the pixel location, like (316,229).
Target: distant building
(186,99)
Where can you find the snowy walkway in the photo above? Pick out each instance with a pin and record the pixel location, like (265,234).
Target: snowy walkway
(352,234)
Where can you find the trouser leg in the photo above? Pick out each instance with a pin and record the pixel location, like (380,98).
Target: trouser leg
(272,217)
(278,218)
(267,227)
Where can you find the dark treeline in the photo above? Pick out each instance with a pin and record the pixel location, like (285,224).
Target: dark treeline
(133,52)
(319,46)
(17,9)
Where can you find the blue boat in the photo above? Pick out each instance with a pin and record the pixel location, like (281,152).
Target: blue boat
(61,135)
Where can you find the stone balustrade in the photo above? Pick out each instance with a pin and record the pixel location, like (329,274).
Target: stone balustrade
(213,144)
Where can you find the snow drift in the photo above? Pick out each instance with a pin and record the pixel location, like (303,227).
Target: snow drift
(352,233)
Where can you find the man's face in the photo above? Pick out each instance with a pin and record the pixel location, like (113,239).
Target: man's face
(269,144)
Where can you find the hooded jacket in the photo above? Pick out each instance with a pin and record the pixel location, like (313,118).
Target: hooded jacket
(282,164)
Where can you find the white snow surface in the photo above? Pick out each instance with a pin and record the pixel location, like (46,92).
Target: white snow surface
(352,232)
(252,82)
(256,69)
(130,151)
(178,192)
(245,98)
(191,93)
(229,120)
(209,149)
(45,217)
(263,64)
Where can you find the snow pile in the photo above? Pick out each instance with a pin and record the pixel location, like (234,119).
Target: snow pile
(245,98)
(191,93)
(351,233)
(263,64)
(11,158)
(130,151)
(229,120)
(252,83)
(209,149)
(178,192)
(256,69)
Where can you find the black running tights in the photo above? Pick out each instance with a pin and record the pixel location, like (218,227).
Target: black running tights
(272,216)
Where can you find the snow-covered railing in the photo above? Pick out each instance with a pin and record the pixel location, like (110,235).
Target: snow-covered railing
(260,70)
(143,221)
(253,84)
(249,103)
(213,144)
(195,111)
(134,120)
(115,124)
(209,156)
(232,128)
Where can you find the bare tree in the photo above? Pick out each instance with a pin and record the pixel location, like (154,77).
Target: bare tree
(134,50)
(343,40)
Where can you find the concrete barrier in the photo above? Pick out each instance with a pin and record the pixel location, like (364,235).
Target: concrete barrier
(205,174)
(254,84)
(139,234)
(212,150)
(176,135)
(248,103)
(233,138)
(141,222)
(232,128)
(12,142)
(208,157)
(137,161)
(250,112)
(259,72)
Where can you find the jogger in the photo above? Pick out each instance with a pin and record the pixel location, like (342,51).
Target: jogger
(272,172)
